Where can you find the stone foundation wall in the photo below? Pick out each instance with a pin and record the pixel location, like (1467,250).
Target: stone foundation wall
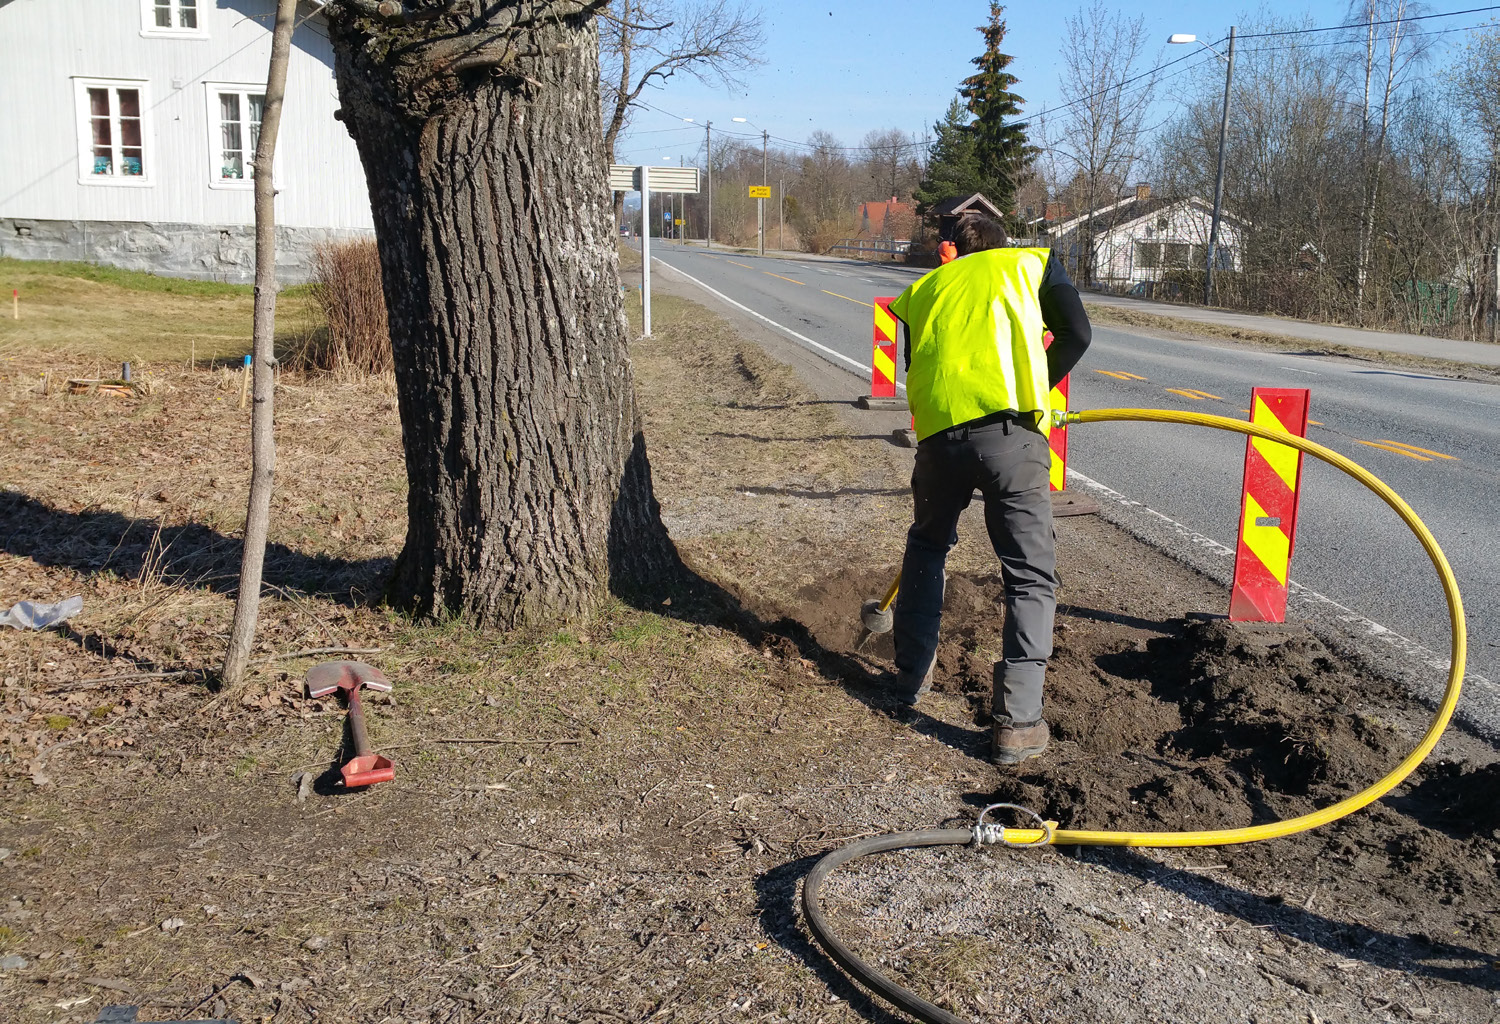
(198,251)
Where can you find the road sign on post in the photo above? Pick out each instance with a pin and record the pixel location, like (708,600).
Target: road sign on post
(1268,513)
(630,178)
(760,191)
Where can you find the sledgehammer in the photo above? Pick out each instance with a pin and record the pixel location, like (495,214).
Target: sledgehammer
(364,768)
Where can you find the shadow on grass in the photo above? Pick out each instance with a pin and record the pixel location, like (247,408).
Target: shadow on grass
(196,556)
(191,554)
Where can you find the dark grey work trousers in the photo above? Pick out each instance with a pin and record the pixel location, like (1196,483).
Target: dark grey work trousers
(1008,464)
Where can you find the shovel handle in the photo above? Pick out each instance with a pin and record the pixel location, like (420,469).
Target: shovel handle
(890,594)
(357,725)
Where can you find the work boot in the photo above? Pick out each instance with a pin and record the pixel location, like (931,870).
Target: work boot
(901,687)
(1014,742)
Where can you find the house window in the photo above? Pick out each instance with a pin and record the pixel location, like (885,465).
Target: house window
(1177,255)
(1148,255)
(173,18)
(234,116)
(113,132)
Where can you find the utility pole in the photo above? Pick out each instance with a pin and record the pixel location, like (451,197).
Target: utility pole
(1213,234)
(708,156)
(760,204)
(781,214)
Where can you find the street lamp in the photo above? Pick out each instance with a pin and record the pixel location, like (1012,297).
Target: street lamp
(765,179)
(1213,234)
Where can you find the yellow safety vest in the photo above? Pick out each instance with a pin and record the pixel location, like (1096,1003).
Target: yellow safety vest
(976,340)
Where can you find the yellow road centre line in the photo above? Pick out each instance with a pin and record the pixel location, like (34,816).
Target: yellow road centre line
(1117,375)
(1314,423)
(1393,448)
(769,274)
(1206,394)
(836,295)
(1424,451)
(739,264)
(1193,394)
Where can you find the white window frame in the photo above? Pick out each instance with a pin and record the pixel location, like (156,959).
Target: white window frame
(214,140)
(83,115)
(151,30)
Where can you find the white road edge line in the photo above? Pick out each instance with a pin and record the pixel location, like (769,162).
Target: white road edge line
(1368,626)
(823,349)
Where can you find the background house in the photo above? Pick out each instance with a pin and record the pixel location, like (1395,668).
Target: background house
(887,219)
(1140,239)
(129,128)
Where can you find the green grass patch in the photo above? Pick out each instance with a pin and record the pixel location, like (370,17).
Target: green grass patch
(104,313)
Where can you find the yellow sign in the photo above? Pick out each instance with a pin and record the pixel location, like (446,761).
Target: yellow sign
(760,191)
(679,220)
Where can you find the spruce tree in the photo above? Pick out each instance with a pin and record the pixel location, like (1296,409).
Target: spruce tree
(1002,151)
(952,162)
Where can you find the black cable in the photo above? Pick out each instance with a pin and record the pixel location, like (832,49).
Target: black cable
(902,998)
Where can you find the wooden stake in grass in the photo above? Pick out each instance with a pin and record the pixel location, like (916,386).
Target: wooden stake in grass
(262,421)
(245,374)
(15,304)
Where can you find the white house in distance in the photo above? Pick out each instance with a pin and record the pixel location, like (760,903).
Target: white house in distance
(128,129)
(1139,239)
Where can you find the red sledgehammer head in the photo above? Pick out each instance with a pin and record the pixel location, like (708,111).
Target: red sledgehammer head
(364,768)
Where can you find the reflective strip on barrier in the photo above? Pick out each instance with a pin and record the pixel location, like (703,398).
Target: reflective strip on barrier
(1268,513)
(883,352)
(1057,438)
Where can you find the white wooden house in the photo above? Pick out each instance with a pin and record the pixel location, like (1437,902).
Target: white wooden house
(128,128)
(1139,239)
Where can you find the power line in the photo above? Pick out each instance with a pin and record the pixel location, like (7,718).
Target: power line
(1367,24)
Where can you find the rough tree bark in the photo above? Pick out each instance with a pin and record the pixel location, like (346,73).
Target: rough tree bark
(478,127)
(263,361)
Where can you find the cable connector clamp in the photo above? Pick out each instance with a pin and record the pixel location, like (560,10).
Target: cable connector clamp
(993,833)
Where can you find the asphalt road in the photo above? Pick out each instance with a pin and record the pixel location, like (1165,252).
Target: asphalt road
(1434,439)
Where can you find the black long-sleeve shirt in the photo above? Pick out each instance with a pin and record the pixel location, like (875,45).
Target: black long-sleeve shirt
(1062,312)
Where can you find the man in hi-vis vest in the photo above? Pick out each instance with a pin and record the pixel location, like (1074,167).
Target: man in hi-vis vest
(977,379)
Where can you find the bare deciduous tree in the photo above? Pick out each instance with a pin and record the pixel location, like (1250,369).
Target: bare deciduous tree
(1100,135)
(1392,50)
(263,420)
(891,162)
(648,41)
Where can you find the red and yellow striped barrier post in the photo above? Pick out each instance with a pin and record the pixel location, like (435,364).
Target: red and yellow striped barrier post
(883,351)
(1057,438)
(1268,512)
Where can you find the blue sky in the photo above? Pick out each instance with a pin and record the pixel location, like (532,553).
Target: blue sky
(847,66)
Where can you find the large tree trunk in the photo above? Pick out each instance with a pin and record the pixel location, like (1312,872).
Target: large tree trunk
(480,137)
